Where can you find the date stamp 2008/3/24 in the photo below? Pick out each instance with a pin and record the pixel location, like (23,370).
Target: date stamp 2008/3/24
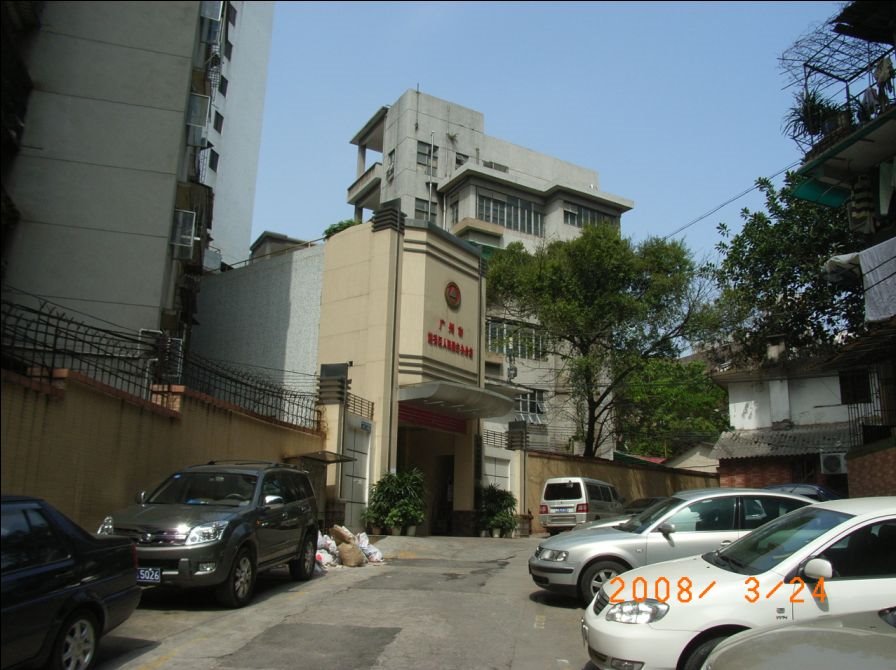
(683,590)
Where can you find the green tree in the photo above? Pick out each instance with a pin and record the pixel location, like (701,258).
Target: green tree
(339,227)
(771,282)
(605,305)
(666,406)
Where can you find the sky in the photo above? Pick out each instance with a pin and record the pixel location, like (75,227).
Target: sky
(678,106)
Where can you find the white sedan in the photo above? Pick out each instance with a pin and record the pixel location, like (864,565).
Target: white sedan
(830,558)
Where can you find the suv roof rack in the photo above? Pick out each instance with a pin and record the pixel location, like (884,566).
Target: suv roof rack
(242,461)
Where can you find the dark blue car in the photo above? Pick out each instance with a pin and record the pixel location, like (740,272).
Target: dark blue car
(63,588)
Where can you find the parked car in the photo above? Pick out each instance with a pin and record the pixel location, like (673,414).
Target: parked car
(830,558)
(219,524)
(568,501)
(814,491)
(867,639)
(628,511)
(63,588)
(687,523)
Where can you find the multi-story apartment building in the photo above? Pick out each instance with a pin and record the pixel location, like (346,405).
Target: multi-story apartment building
(435,158)
(131,139)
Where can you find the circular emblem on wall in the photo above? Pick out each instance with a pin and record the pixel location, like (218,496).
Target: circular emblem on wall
(452,295)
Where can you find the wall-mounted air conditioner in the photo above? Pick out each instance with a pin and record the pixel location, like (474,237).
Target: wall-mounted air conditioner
(833,464)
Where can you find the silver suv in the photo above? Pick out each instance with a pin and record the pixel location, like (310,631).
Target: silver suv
(219,524)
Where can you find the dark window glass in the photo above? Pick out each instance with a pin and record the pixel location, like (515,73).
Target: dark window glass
(854,388)
(219,122)
(222,86)
(213,159)
(228,50)
(231,14)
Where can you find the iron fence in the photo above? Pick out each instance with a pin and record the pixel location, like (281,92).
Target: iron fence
(37,340)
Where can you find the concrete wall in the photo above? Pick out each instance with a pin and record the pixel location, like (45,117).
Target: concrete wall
(264,314)
(804,401)
(631,481)
(89,449)
(95,179)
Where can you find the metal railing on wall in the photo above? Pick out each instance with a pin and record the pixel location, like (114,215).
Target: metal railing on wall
(40,339)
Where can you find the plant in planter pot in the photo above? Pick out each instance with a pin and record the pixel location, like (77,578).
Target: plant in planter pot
(372,520)
(398,499)
(496,510)
(810,115)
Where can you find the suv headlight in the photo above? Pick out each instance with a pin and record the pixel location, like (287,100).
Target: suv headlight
(637,611)
(107,527)
(553,555)
(207,532)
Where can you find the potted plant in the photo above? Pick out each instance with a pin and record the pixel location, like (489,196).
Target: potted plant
(397,500)
(373,522)
(810,115)
(496,510)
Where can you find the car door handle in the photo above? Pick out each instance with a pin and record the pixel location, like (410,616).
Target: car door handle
(725,543)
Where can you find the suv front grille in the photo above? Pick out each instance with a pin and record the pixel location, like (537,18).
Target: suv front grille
(153,537)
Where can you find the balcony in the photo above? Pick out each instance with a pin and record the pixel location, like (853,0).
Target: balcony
(844,115)
(365,192)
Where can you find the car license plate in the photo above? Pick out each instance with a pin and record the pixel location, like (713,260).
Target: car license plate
(149,575)
(563,509)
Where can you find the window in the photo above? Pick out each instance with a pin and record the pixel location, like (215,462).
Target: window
(517,339)
(530,407)
(213,159)
(453,211)
(855,387)
(425,210)
(714,514)
(231,14)
(869,551)
(28,540)
(197,112)
(496,471)
(512,213)
(757,510)
(428,156)
(228,50)
(222,85)
(578,216)
(219,122)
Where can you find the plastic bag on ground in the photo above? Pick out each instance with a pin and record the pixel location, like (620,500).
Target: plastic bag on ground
(373,554)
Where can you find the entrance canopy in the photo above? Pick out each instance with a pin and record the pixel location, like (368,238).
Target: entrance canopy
(459,400)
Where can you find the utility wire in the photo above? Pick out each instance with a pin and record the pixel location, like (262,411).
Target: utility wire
(726,203)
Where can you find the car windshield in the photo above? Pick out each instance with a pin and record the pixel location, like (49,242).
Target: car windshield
(640,522)
(205,488)
(770,544)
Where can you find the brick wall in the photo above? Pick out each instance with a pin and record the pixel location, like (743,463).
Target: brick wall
(754,472)
(873,473)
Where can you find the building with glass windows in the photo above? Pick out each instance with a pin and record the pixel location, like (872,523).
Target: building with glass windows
(435,159)
(413,371)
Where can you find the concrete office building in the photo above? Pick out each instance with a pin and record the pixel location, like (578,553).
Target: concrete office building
(435,157)
(399,302)
(133,169)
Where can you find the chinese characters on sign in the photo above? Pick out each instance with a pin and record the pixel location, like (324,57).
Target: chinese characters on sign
(448,337)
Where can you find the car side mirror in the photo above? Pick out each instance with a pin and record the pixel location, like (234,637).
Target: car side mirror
(666,528)
(140,497)
(818,568)
(273,500)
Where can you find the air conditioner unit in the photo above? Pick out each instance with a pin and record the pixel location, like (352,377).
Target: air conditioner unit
(833,464)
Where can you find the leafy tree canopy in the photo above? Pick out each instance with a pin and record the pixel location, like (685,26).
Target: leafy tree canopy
(339,227)
(604,303)
(771,281)
(666,406)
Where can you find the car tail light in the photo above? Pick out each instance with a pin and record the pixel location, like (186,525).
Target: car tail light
(582,508)
(542,509)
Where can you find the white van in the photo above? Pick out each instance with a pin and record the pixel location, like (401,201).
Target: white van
(568,501)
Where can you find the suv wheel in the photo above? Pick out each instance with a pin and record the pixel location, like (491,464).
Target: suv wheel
(302,567)
(237,589)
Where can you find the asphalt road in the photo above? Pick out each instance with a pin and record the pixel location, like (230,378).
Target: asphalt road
(439,602)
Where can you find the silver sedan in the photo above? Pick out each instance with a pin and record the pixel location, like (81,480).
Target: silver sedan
(688,523)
